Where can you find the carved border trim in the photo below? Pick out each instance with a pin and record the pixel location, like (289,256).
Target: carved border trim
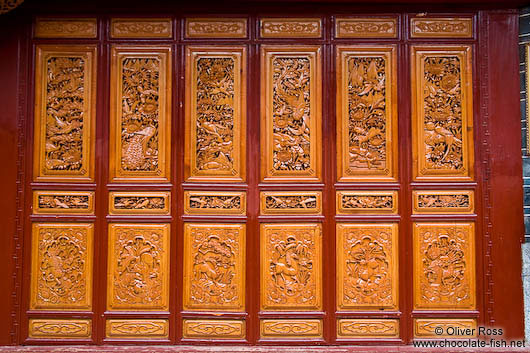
(162,211)
(317,195)
(342,210)
(416,194)
(62,210)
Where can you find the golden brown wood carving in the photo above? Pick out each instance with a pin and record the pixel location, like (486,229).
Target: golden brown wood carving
(289,328)
(63,202)
(214,272)
(354,202)
(137,328)
(217,329)
(65,103)
(291,277)
(441,202)
(367,328)
(441,27)
(292,202)
(141,28)
(367,113)
(291,113)
(140,203)
(444,266)
(216,27)
(61,269)
(213,202)
(215,113)
(442,112)
(425,328)
(66,28)
(138,269)
(140,119)
(290,27)
(366,27)
(57,328)
(367,266)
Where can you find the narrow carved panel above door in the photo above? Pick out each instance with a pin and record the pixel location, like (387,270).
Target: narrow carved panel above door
(215,27)
(292,202)
(366,27)
(58,328)
(66,27)
(290,27)
(367,114)
(65,98)
(291,113)
(61,270)
(353,202)
(140,121)
(444,266)
(367,266)
(141,28)
(441,27)
(442,112)
(139,203)
(291,262)
(440,202)
(138,269)
(63,202)
(214,202)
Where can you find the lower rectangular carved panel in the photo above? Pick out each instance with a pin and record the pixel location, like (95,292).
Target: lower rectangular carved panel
(214,329)
(137,328)
(287,328)
(367,328)
(55,328)
(445,328)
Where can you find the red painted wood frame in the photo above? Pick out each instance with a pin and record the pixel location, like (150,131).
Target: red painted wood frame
(498,181)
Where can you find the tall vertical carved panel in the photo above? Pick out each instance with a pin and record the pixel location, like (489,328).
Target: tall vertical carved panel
(214,272)
(61,270)
(291,277)
(291,113)
(65,108)
(138,269)
(442,112)
(140,122)
(367,113)
(444,266)
(367,266)
(215,113)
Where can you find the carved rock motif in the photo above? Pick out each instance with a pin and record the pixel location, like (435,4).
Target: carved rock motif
(215,202)
(291,202)
(64,201)
(443,201)
(362,201)
(139,203)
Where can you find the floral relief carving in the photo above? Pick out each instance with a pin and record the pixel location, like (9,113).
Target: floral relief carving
(216,28)
(444,201)
(367,201)
(63,201)
(139,203)
(442,27)
(122,28)
(366,28)
(290,28)
(66,28)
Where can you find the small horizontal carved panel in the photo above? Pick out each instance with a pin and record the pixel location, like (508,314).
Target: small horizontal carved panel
(291,113)
(63,202)
(353,202)
(445,328)
(438,202)
(55,328)
(138,267)
(61,270)
(441,27)
(140,203)
(205,202)
(291,263)
(215,114)
(214,272)
(216,27)
(367,328)
(367,113)
(137,328)
(444,266)
(140,119)
(366,27)
(303,202)
(287,328)
(141,28)
(442,112)
(290,27)
(66,28)
(65,108)
(367,266)
(214,329)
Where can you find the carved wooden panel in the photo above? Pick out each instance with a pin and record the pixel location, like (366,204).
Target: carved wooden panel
(214,272)
(140,119)
(367,266)
(213,202)
(215,113)
(291,113)
(367,113)
(138,267)
(63,202)
(66,28)
(65,98)
(137,328)
(292,202)
(141,28)
(290,27)
(441,202)
(291,262)
(367,328)
(442,112)
(56,328)
(61,269)
(366,27)
(425,328)
(354,202)
(216,329)
(441,27)
(444,266)
(216,27)
(140,203)
(287,328)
